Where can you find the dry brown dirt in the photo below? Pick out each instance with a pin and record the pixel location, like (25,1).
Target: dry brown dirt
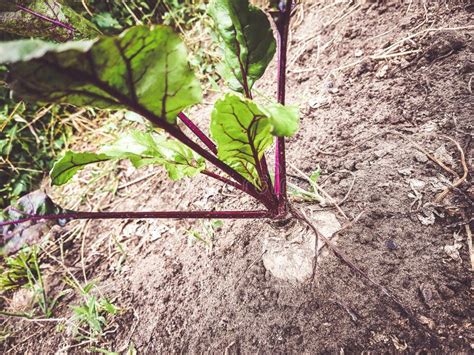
(373,81)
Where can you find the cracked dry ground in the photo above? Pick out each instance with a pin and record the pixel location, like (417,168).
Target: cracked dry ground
(374,82)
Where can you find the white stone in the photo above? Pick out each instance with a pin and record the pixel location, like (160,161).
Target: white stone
(293,260)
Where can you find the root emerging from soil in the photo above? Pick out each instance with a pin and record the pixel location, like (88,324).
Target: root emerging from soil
(300,216)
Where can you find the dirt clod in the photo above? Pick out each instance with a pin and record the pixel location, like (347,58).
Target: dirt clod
(429,294)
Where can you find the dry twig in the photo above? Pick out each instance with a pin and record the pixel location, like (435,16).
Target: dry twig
(460,180)
(469,245)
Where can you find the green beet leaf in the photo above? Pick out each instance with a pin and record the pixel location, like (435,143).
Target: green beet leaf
(20,22)
(145,148)
(248,42)
(242,133)
(244,129)
(141,148)
(285,120)
(67,166)
(144,70)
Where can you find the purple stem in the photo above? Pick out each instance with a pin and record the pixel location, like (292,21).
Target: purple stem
(200,134)
(174,131)
(144,215)
(283,26)
(251,190)
(46,18)
(177,133)
(261,164)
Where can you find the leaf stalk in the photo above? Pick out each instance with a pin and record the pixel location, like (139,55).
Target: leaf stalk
(283,27)
(198,132)
(144,215)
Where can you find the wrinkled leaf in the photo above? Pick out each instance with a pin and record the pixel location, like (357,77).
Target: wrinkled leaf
(141,148)
(144,70)
(243,130)
(67,166)
(247,41)
(19,21)
(144,148)
(14,237)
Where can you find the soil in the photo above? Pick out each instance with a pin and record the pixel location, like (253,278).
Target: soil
(374,82)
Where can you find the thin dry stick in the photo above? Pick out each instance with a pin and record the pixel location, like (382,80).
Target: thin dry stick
(416,145)
(335,20)
(28,318)
(409,6)
(393,55)
(135,18)
(460,180)
(320,49)
(371,39)
(424,151)
(132,331)
(64,349)
(351,313)
(22,341)
(83,245)
(73,278)
(350,187)
(39,321)
(469,244)
(401,41)
(227,348)
(136,181)
(301,50)
(10,117)
(306,42)
(332,200)
(40,114)
(301,16)
(344,227)
(84,4)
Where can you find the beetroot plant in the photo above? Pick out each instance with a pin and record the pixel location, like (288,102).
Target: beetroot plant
(145,70)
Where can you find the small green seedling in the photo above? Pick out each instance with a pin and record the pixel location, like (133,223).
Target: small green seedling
(19,270)
(23,270)
(210,228)
(310,195)
(91,316)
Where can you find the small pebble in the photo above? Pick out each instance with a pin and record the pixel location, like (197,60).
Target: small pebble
(391,245)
